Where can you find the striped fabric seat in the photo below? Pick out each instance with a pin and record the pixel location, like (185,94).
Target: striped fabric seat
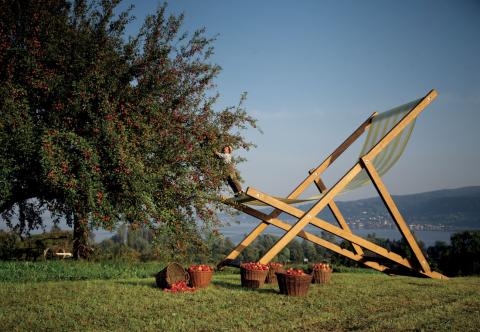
(381,125)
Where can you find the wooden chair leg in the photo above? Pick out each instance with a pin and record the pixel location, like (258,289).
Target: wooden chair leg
(395,213)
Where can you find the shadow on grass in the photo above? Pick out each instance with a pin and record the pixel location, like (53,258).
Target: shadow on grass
(236,286)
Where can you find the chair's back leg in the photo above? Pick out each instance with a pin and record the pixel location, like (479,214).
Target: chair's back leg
(395,213)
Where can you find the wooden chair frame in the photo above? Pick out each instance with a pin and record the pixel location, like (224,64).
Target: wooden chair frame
(418,265)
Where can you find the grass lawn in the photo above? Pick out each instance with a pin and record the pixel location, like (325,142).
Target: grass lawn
(353,301)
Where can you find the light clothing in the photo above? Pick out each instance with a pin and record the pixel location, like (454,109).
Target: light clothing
(226,157)
(232,178)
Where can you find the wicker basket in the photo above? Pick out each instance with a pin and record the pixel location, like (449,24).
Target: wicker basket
(321,276)
(200,279)
(293,285)
(171,274)
(253,278)
(271,275)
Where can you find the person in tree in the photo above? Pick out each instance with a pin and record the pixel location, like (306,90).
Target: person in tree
(232,177)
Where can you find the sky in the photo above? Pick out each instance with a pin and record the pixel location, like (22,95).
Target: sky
(315,70)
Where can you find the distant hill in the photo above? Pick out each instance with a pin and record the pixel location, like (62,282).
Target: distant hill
(459,208)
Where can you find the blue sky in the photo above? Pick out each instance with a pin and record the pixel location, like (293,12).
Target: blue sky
(314,70)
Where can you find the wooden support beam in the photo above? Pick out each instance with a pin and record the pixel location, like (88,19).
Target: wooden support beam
(395,213)
(337,214)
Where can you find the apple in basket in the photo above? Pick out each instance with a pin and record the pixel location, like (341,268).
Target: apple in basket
(200,275)
(322,266)
(253,274)
(275,265)
(254,266)
(200,267)
(295,272)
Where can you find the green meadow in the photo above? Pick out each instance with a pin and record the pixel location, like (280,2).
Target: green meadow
(83,296)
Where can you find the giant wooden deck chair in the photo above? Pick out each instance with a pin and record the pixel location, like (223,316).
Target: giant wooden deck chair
(387,136)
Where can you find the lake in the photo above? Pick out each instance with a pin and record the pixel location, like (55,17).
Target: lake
(236,233)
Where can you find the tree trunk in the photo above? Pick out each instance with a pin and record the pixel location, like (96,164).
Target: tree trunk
(81,250)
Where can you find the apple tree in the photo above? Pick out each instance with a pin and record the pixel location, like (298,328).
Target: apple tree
(101,128)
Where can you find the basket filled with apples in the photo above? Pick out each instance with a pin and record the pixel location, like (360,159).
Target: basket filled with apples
(322,273)
(273,267)
(294,282)
(200,275)
(253,274)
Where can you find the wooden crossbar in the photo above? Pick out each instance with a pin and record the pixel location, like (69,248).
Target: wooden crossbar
(420,265)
